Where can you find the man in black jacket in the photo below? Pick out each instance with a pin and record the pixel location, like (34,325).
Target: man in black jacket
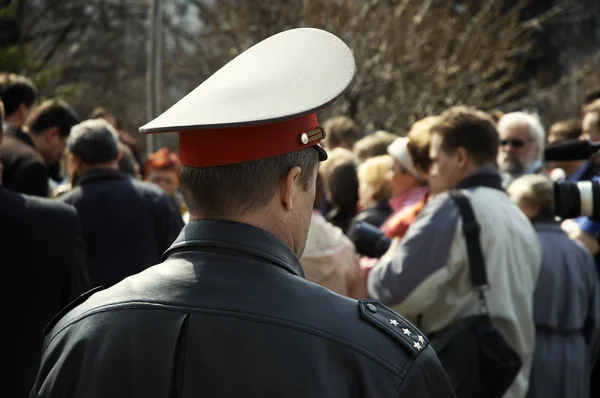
(127,224)
(229,313)
(28,152)
(43,269)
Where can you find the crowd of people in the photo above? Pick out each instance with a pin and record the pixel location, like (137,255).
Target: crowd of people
(107,215)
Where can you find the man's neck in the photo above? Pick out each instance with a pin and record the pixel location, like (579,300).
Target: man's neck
(484,175)
(99,166)
(263,219)
(14,122)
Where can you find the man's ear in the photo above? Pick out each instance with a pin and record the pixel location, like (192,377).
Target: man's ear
(462,156)
(288,186)
(51,133)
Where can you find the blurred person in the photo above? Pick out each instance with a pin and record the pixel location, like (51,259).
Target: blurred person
(566,305)
(374,191)
(342,132)
(125,138)
(426,275)
(589,98)
(103,113)
(522,139)
(496,115)
(127,224)
(162,169)
(374,195)
(44,269)
(29,152)
(567,130)
(229,313)
(329,258)
(341,186)
(591,121)
(372,145)
(19,95)
(417,145)
(127,163)
(407,185)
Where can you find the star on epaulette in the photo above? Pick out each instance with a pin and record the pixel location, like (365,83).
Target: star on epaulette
(402,330)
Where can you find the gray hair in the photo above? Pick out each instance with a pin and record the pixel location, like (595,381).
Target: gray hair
(234,189)
(534,190)
(94,141)
(532,121)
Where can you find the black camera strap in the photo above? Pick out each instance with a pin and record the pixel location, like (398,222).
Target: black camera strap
(471,231)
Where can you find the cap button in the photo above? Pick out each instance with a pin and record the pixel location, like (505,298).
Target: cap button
(372,308)
(304,138)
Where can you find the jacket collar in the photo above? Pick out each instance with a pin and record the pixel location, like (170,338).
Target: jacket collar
(102,174)
(20,135)
(485,176)
(545,224)
(236,237)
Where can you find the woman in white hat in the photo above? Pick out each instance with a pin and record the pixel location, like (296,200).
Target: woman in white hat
(407,183)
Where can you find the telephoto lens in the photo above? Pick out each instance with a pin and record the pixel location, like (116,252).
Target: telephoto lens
(369,240)
(577,199)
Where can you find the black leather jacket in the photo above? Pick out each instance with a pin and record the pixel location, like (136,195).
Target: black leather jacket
(229,314)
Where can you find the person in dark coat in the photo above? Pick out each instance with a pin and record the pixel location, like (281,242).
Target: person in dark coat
(566,306)
(229,313)
(374,192)
(43,269)
(127,224)
(28,153)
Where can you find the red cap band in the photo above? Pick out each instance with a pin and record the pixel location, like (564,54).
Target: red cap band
(231,145)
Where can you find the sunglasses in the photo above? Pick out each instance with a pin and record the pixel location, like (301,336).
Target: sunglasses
(514,143)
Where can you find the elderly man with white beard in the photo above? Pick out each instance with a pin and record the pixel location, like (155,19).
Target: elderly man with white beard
(522,139)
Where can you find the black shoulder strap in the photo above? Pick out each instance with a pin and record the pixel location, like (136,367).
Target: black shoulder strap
(471,231)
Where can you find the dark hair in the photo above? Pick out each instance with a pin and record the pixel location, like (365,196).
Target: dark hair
(340,130)
(229,190)
(127,162)
(319,192)
(471,129)
(342,182)
(16,90)
(374,145)
(591,97)
(567,129)
(53,113)
(94,142)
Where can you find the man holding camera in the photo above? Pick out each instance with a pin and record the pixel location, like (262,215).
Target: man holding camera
(426,276)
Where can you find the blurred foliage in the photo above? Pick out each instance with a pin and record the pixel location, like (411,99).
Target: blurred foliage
(414,57)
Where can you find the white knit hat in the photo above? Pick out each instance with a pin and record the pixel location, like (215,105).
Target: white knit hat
(399,151)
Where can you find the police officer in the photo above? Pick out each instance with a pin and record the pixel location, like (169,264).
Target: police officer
(228,313)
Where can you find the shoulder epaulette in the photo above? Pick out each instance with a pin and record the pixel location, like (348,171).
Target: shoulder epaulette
(393,324)
(79,300)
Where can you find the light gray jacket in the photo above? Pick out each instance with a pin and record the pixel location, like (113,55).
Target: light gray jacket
(428,273)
